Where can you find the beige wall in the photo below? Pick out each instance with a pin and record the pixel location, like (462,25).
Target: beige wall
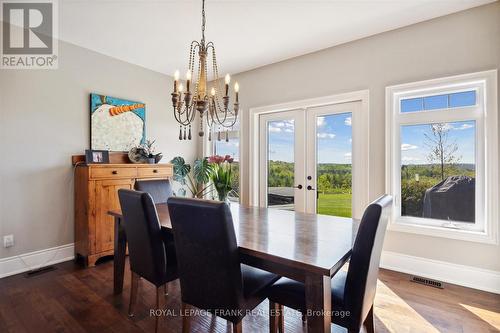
(44,119)
(465,42)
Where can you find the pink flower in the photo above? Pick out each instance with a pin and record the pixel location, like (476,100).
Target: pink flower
(216,159)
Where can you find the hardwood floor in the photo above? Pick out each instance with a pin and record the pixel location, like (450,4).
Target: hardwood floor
(73,299)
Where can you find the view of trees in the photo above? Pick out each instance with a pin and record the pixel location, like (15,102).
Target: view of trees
(332,178)
(444,161)
(335,180)
(441,151)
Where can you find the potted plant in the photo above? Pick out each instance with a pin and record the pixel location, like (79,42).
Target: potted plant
(145,153)
(195,179)
(221,175)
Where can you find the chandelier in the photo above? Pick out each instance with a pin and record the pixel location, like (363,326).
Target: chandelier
(213,108)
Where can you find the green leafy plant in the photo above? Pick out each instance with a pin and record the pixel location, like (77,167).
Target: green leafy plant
(196,179)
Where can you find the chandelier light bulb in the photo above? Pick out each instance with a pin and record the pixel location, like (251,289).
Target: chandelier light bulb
(181,87)
(212,92)
(228,79)
(188,75)
(176,75)
(236,87)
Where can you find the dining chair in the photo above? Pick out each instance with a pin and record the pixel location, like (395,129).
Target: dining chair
(151,253)
(210,273)
(159,189)
(352,292)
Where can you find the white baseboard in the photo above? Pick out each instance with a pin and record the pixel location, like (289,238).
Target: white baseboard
(467,276)
(37,259)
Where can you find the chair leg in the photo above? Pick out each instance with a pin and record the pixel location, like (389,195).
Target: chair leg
(185,319)
(276,318)
(369,324)
(304,318)
(273,317)
(165,289)
(281,321)
(238,328)
(157,322)
(134,286)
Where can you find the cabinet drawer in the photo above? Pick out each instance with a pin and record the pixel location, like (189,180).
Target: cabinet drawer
(154,172)
(112,173)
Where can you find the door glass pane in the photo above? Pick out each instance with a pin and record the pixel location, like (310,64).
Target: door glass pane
(281,165)
(438,171)
(334,169)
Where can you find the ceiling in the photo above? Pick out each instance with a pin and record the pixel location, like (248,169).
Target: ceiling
(247,33)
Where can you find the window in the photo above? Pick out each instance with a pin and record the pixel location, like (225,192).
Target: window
(442,144)
(231,147)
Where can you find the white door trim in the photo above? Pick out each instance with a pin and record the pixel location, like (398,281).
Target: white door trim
(251,157)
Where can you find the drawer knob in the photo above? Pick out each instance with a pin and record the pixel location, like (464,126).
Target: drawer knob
(155,171)
(114,172)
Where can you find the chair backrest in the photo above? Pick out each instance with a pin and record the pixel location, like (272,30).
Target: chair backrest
(143,230)
(159,189)
(207,253)
(361,282)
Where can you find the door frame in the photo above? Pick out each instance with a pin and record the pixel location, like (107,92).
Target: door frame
(251,159)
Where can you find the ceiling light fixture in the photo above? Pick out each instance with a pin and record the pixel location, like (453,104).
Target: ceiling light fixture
(216,113)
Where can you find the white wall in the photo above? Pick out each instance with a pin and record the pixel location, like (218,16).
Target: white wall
(464,42)
(44,119)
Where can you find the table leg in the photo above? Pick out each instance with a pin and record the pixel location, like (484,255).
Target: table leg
(119,257)
(318,303)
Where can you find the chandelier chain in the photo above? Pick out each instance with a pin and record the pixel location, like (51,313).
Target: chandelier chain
(203,22)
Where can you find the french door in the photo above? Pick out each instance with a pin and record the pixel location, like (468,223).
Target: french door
(307,159)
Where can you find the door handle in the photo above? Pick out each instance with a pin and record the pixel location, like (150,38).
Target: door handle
(298,186)
(310,188)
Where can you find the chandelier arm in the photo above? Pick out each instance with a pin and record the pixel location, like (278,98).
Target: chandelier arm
(179,120)
(218,119)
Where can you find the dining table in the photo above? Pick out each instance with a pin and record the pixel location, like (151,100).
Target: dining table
(310,248)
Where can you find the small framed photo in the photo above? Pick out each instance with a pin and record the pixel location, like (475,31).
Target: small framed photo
(96,156)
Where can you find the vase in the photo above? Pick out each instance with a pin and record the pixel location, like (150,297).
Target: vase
(151,160)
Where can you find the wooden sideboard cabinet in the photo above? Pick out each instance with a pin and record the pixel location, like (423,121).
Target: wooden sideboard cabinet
(96,187)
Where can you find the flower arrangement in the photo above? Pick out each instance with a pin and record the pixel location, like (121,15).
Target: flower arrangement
(221,175)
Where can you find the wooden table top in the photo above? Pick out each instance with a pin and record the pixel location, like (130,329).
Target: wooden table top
(314,243)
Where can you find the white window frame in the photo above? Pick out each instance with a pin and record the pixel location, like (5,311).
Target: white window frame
(484,113)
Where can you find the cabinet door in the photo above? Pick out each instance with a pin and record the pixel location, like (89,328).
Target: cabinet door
(106,200)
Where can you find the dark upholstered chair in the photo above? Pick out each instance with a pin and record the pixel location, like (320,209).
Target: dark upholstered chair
(151,253)
(211,275)
(159,189)
(354,290)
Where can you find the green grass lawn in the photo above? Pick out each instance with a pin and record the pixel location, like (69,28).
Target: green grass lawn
(335,204)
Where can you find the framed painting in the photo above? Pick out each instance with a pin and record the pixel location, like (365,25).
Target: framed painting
(116,124)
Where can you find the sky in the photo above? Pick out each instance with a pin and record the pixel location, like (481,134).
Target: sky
(415,147)
(334,139)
